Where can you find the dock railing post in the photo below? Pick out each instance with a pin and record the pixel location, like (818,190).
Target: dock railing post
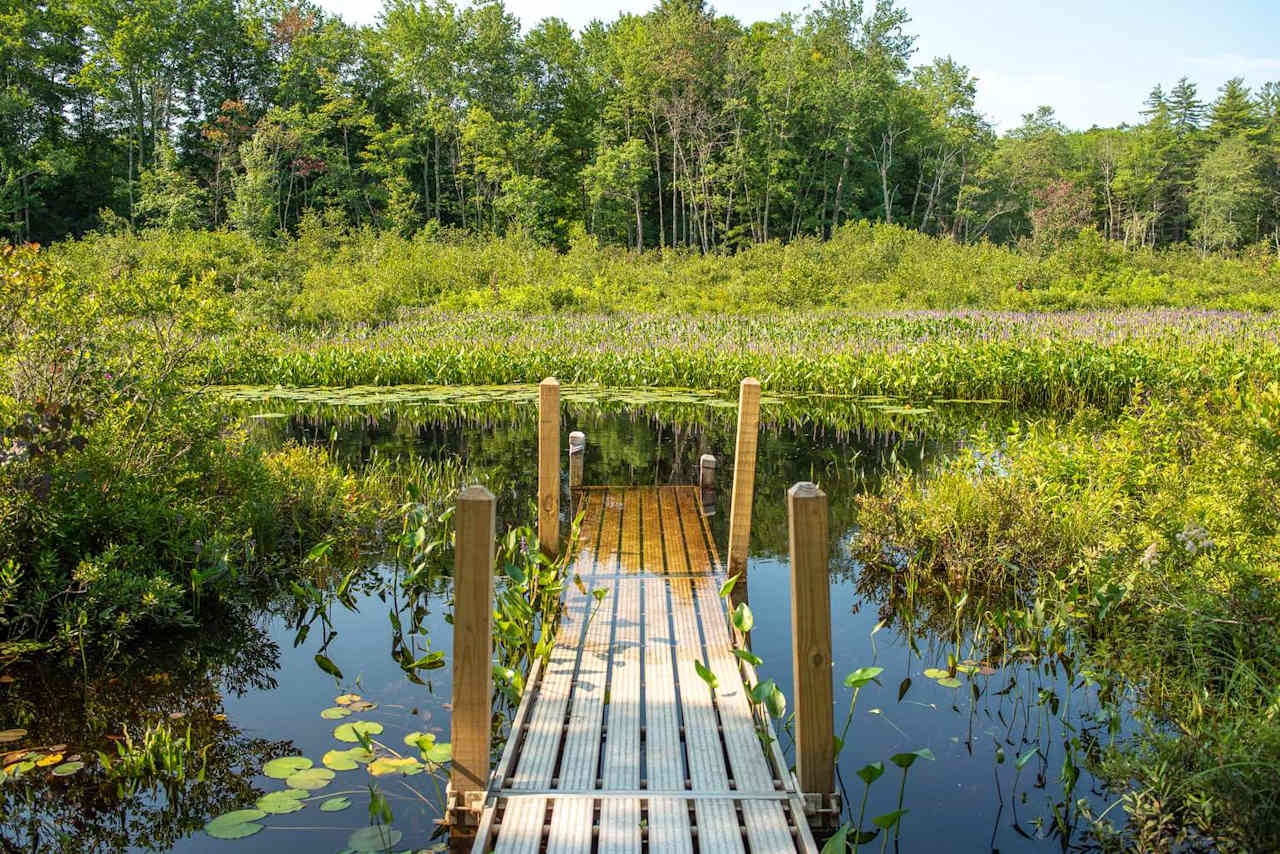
(549,465)
(472,654)
(577,450)
(811,645)
(744,479)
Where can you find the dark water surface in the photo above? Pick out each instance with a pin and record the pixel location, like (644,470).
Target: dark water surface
(250,690)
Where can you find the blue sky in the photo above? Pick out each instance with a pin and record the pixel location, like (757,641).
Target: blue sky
(1093,61)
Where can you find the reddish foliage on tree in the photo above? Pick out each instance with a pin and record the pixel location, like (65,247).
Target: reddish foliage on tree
(1059,210)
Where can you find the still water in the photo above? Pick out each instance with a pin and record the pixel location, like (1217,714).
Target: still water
(1009,742)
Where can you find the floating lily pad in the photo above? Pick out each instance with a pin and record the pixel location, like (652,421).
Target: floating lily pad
(10,735)
(348,732)
(387,765)
(286,765)
(378,837)
(335,804)
(66,769)
(285,801)
(949,682)
(312,778)
(361,706)
(235,825)
(346,760)
(346,699)
(51,759)
(333,713)
(438,753)
(937,673)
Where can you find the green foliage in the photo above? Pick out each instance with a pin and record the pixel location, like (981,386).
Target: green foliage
(1154,537)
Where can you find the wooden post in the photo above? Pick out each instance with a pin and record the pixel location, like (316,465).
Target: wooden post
(744,478)
(811,639)
(707,483)
(549,465)
(577,450)
(472,652)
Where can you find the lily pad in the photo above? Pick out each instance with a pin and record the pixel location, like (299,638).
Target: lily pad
(346,699)
(333,713)
(378,837)
(348,732)
(9,735)
(285,766)
(66,769)
(235,825)
(949,682)
(438,753)
(362,706)
(311,779)
(386,765)
(285,801)
(335,804)
(346,760)
(937,673)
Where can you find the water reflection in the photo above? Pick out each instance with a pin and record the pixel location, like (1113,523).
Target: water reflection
(1012,740)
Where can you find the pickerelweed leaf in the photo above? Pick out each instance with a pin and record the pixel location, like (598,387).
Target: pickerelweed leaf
(326,664)
(705,674)
(748,656)
(839,842)
(286,765)
(871,772)
(1025,758)
(743,619)
(348,732)
(889,819)
(862,676)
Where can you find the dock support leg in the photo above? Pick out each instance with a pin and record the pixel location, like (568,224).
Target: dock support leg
(472,658)
(549,465)
(707,483)
(744,480)
(811,652)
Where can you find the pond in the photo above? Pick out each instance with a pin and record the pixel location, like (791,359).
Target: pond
(1010,739)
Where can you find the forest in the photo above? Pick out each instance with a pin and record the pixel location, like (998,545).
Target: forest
(676,128)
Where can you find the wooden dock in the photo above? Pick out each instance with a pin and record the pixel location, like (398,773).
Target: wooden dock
(619,745)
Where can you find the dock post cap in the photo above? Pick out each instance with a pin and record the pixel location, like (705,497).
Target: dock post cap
(708,460)
(550,381)
(474,492)
(805,489)
(577,440)
(750,381)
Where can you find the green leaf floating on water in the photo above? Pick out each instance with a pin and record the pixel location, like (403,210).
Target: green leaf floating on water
(286,765)
(66,769)
(949,682)
(378,837)
(279,803)
(310,779)
(439,753)
(937,673)
(335,804)
(347,732)
(333,713)
(346,760)
(235,825)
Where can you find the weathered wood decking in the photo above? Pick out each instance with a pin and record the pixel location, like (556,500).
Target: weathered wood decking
(618,745)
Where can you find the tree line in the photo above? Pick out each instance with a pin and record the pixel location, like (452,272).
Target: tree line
(675,128)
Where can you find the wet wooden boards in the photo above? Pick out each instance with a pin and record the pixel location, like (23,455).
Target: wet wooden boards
(619,746)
